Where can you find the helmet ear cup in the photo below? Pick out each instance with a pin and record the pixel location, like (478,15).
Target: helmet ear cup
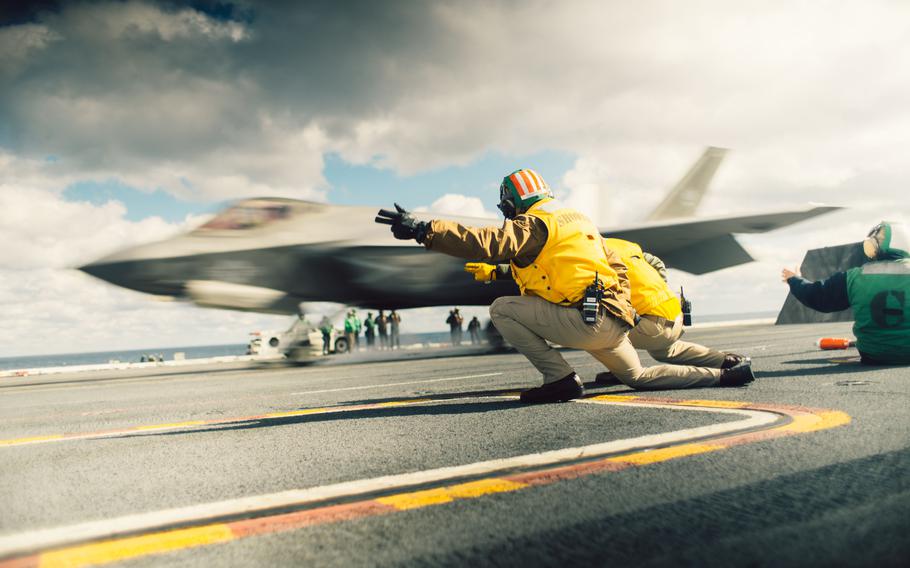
(506,201)
(871,247)
(872,244)
(507,207)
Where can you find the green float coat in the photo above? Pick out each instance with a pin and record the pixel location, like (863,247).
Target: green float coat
(879,294)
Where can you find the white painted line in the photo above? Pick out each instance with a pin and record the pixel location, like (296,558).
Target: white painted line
(194,424)
(733,323)
(427,381)
(107,528)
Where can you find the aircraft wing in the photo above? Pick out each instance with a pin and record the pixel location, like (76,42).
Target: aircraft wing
(704,245)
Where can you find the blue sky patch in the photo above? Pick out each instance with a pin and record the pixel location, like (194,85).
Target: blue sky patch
(349,184)
(368,185)
(139,204)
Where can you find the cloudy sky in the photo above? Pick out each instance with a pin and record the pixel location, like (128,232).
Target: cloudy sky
(126,122)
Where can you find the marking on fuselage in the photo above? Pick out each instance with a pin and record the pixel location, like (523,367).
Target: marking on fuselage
(163,531)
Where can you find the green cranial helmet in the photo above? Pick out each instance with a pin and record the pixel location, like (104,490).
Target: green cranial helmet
(887,241)
(521,189)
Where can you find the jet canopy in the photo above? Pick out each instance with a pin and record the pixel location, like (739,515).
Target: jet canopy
(257,213)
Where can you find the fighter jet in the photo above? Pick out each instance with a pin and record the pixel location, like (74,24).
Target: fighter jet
(273,254)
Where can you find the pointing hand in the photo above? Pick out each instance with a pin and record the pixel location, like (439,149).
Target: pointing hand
(404,225)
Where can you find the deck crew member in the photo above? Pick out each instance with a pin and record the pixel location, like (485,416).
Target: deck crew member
(555,254)
(659,324)
(878,292)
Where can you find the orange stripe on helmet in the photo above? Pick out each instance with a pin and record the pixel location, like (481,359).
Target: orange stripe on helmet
(541,184)
(532,186)
(520,184)
(528,183)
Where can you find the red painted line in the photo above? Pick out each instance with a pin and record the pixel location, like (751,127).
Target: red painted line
(548,476)
(370,507)
(25,562)
(300,519)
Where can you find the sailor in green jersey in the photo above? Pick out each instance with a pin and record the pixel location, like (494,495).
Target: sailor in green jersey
(878,292)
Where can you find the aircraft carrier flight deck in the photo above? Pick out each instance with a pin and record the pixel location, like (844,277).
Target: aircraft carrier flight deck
(435,462)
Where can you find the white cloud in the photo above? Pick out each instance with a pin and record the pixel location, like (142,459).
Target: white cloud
(811,98)
(40,230)
(49,307)
(18,42)
(808,96)
(52,310)
(114,20)
(458,205)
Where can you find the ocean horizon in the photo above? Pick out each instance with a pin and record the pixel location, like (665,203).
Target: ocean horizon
(234,349)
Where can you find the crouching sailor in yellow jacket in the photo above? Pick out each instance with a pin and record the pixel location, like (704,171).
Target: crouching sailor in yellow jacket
(554,254)
(660,326)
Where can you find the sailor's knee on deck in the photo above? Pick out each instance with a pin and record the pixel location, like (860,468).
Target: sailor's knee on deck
(661,355)
(645,378)
(632,378)
(498,309)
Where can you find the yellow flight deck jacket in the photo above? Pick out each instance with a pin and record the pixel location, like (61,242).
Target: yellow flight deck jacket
(650,293)
(553,251)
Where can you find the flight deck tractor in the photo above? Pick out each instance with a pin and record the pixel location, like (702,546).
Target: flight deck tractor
(300,342)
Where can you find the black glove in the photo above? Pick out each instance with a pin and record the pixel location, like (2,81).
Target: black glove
(404,225)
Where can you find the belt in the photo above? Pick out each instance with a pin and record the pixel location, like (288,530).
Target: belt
(659,320)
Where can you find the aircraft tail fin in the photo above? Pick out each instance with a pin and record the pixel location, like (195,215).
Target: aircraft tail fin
(684,198)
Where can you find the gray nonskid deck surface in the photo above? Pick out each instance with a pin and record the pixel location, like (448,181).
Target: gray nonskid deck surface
(837,496)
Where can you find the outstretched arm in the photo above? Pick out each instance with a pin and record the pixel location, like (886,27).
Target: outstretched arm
(828,295)
(519,240)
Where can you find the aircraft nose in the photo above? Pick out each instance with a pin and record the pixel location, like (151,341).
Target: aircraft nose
(135,275)
(113,272)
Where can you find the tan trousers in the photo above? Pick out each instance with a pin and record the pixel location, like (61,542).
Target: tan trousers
(527,322)
(661,340)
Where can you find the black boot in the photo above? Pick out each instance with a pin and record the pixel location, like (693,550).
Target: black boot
(731,360)
(737,375)
(564,389)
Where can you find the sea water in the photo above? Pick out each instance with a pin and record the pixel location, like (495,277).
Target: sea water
(129,356)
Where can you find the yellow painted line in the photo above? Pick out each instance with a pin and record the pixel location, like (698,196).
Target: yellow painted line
(823,420)
(296,412)
(193,423)
(117,550)
(17,441)
(664,454)
(714,403)
(614,397)
(404,402)
(114,550)
(171,425)
(470,490)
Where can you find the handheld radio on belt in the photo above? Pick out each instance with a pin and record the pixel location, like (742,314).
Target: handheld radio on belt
(686,308)
(591,305)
